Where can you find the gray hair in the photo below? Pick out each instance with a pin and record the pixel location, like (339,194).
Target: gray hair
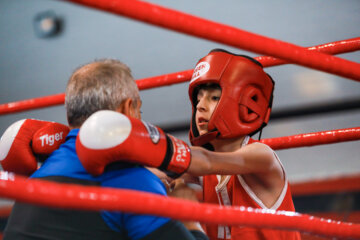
(102,84)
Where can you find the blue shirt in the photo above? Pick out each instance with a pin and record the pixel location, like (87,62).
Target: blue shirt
(64,162)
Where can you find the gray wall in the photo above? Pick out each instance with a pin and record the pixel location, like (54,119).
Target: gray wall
(32,67)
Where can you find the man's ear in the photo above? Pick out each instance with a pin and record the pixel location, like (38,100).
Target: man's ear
(126,107)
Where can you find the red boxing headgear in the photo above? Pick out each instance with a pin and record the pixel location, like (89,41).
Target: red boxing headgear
(246,95)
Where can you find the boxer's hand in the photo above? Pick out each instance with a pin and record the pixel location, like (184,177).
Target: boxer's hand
(108,136)
(26,139)
(165,179)
(180,189)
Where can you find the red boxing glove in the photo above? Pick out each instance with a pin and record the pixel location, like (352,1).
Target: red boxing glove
(24,139)
(108,136)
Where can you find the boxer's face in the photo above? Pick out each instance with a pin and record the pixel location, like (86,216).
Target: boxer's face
(207,100)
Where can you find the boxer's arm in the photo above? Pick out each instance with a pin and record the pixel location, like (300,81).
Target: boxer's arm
(26,139)
(252,158)
(108,136)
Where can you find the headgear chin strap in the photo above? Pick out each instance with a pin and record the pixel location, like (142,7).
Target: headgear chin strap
(246,96)
(203,139)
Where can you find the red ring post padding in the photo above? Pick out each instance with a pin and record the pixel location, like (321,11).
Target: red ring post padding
(221,33)
(173,78)
(71,196)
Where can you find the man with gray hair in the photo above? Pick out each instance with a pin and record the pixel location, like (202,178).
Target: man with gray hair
(104,84)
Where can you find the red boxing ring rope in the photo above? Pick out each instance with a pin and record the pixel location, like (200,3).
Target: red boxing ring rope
(202,28)
(312,139)
(343,46)
(73,196)
(32,103)
(332,48)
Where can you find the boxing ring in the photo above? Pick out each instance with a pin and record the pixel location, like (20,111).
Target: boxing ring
(92,198)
